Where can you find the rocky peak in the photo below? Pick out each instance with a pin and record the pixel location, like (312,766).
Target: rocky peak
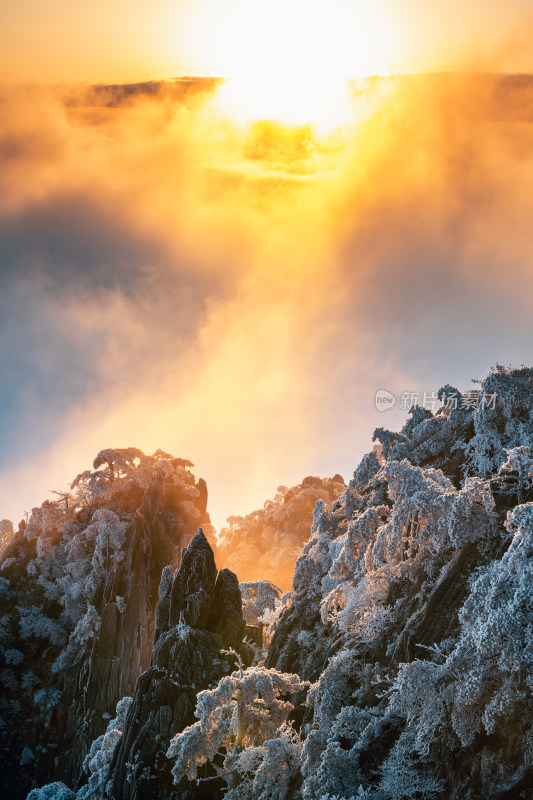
(193,587)
(80,589)
(198,615)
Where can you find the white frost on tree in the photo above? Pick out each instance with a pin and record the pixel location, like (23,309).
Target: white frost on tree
(97,762)
(52,791)
(238,721)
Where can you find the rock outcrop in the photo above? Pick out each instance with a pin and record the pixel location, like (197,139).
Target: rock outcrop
(408,609)
(205,617)
(81,627)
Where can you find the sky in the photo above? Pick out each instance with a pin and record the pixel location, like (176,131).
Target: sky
(181,275)
(124,40)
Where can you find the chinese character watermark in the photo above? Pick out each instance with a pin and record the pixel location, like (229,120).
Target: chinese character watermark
(472,400)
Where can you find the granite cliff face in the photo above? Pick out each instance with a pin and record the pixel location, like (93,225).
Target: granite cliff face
(199,616)
(79,585)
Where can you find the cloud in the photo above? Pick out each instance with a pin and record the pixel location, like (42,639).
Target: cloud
(237,295)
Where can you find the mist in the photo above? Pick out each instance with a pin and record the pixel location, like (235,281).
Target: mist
(235,295)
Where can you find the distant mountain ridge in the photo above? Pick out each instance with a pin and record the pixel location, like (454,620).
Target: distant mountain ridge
(512,93)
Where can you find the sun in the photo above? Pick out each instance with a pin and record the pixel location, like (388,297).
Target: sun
(324,103)
(291,60)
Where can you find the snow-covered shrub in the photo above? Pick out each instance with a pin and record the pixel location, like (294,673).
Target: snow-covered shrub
(46,698)
(33,623)
(242,713)
(13,656)
(85,630)
(97,761)
(29,680)
(262,604)
(258,597)
(501,420)
(494,654)
(269,771)
(407,778)
(53,791)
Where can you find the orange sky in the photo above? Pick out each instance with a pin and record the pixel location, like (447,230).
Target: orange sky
(236,295)
(52,40)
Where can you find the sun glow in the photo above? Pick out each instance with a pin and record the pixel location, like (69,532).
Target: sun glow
(293,38)
(325,104)
(291,60)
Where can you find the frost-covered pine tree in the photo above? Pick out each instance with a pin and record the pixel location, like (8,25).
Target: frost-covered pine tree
(242,731)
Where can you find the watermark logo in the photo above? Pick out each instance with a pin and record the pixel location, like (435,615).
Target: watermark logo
(385,400)
(473,400)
